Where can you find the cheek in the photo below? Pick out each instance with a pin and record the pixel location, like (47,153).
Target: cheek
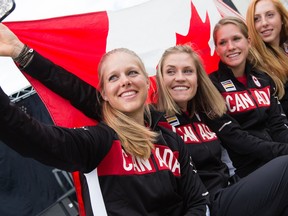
(106,93)
(195,85)
(257,27)
(219,51)
(166,80)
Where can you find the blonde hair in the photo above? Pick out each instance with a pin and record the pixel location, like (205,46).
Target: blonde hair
(135,138)
(272,59)
(253,56)
(207,99)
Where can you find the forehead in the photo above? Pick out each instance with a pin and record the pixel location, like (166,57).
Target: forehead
(119,60)
(177,58)
(264,6)
(228,30)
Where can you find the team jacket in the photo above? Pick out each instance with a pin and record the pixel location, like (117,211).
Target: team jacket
(204,147)
(202,143)
(284,99)
(256,114)
(164,184)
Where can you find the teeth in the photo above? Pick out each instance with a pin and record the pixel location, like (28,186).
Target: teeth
(125,94)
(266,32)
(233,55)
(180,88)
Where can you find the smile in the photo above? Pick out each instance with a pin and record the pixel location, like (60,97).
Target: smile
(180,88)
(266,32)
(233,55)
(128,94)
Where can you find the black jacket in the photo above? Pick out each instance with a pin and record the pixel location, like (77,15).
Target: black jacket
(254,107)
(256,114)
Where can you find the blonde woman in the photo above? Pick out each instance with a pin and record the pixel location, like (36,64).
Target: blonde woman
(193,106)
(143,169)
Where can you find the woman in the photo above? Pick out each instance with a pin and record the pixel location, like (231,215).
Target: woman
(248,93)
(188,98)
(143,169)
(267,22)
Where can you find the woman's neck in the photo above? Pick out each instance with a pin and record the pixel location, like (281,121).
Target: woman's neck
(238,71)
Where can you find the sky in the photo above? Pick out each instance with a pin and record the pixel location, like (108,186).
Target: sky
(11,79)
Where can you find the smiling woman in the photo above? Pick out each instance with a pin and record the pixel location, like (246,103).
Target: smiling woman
(248,92)
(147,166)
(267,21)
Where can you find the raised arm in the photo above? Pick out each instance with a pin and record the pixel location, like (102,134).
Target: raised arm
(80,94)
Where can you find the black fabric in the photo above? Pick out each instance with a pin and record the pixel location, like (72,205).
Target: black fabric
(26,186)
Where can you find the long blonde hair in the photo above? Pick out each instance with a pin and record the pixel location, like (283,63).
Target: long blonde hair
(272,59)
(254,56)
(135,138)
(207,99)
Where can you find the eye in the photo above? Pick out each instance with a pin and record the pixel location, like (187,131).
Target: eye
(256,19)
(170,72)
(270,15)
(133,73)
(222,43)
(237,38)
(112,78)
(188,71)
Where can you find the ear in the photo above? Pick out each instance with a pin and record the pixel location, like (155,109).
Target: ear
(216,50)
(249,42)
(104,96)
(148,83)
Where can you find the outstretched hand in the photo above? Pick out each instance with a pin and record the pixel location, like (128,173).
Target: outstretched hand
(10,45)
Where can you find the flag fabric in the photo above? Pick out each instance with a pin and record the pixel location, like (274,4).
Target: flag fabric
(77,42)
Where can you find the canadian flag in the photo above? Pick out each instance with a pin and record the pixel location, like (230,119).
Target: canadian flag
(77,42)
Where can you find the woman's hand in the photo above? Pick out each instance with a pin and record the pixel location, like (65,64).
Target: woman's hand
(10,45)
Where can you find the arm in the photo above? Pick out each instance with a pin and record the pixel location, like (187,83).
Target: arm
(80,94)
(195,195)
(277,121)
(241,142)
(54,146)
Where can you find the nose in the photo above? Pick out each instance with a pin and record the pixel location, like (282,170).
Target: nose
(179,76)
(230,45)
(125,81)
(264,21)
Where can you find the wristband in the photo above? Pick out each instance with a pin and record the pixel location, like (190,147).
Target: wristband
(25,56)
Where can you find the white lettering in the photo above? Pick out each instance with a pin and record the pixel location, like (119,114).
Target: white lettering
(142,165)
(262,97)
(205,132)
(228,99)
(129,166)
(188,134)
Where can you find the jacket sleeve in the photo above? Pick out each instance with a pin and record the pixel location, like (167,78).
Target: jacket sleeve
(80,94)
(79,149)
(241,142)
(195,194)
(277,121)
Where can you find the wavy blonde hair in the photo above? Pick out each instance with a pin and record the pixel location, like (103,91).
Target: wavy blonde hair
(272,60)
(207,99)
(253,56)
(135,138)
